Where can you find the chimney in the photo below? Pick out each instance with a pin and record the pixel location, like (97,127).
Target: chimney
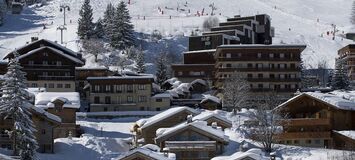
(34,39)
(189,118)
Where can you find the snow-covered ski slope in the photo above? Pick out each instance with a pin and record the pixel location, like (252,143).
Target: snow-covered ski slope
(295,21)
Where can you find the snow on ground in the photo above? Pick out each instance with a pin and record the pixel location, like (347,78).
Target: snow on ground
(103,139)
(296,21)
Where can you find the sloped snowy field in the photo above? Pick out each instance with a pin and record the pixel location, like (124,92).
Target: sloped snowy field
(298,15)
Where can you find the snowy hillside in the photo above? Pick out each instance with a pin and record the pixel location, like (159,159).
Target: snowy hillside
(295,22)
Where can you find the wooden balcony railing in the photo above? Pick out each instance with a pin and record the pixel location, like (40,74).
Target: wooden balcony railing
(306,122)
(303,135)
(191,145)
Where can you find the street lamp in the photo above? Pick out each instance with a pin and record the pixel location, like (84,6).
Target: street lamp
(63,8)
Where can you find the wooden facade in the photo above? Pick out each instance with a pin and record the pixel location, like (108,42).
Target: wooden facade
(311,122)
(49,65)
(192,142)
(44,134)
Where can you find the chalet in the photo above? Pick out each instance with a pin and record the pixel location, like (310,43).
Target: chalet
(213,118)
(64,105)
(192,140)
(49,65)
(316,119)
(210,102)
(146,152)
(146,128)
(45,124)
(120,93)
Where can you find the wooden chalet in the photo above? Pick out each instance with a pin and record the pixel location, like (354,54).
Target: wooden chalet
(316,118)
(146,128)
(49,65)
(192,140)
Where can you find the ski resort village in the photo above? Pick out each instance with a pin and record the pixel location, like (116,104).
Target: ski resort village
(177,80)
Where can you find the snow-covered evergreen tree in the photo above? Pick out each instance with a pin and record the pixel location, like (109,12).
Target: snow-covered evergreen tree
(108,20)
(161,73)
(140,61)
(99,29)
(122,31)
(14,104)
(85,23)
(340,79)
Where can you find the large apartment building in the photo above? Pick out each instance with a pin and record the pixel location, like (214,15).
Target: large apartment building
(49,65)
(266,67)
(243,45)
(347,54)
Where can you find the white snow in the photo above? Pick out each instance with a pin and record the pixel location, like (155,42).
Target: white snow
(46,114)
(252,153)
(165,114)
(211,98)
(350,133)
(147,150)
(121,77)
(162,95)
(44,99)
(208,114)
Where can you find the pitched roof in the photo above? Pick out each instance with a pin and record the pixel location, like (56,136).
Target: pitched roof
(344,100)
(70,57)
(163,133)
(149,151)
(143,123)
(211,114)
(45,99)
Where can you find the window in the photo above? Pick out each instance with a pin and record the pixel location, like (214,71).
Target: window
(271,55)
(45,54)
(259,55)
(34,85)
(45,74)
(141,87)
(282,55)
(250,65)
(119,88)
(107,88)
(229,65)
(50,85)
(260,86)
(107,100)
(317,141)
(96,100)
(105,108)
(180,73)
(45,85)
(67,85)
(259,65)
(158,100)
(308,141)
(45,63)
(118,100)
(260,75)
(157,109)
(59,85)
(142,108)
(97,88)
(129,88)
(30,63)
(129,99)
(296,142)
(43,131)
(59,63)
(228,55)
(250,75)
(239,54)
(67,74)
(142,98)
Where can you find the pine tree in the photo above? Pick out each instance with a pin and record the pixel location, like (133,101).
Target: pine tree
(340,79)
(108,20)
(85,24)
(161,73)
(15,105)
(352,17)
(99,29)
(122,31)
(140,61)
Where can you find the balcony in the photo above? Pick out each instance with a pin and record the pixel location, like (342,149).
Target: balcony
(191,145)
(55,77)
(304,135)
(258,69)
(254,59)
(306,122)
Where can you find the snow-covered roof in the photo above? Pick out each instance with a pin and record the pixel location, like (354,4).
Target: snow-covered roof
(203,82)
(74,59)
(349,133)
(208,97)
(46,114)
(263,46)
(201,51)
(205,115)
(344,100)
(143,123)
(253,153)
(35,91)
(52,43)
(45,99)
(121,77)
(149,150)
(200,125)
(162,95)
(91,68)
